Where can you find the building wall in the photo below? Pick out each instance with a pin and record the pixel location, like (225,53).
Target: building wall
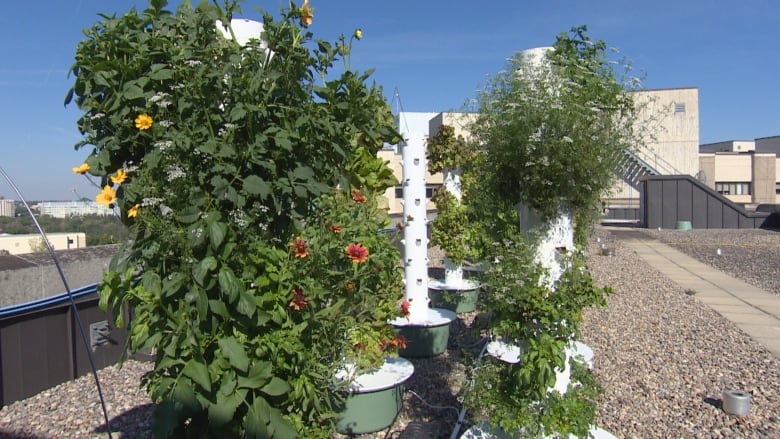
(24,244)
(759,170)
(66,209)
(7,207)
(707,167)
(668,129)
(764,178)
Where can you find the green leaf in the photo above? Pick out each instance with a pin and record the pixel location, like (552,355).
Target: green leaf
(202,269)
(159,73)
(229,284)
(257,186)
(257,419)
(188,215)
(198,373)
(246,303)
(234,352)
(281,427)
(218,307)
(276,387)
(303,173)
(132,91)
(186,396)
(258,375)
(222,412)
(165,419)
(282,140)
(217,232)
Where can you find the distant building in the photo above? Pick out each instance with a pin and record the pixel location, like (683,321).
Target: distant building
(768,144)
(729,146)
(33,243)
(67,209)
(7,207)
(745,176)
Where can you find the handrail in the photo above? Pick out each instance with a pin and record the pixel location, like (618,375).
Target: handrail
(35,305)
(665,168)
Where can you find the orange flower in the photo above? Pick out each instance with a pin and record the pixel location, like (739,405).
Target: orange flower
(106,197)
(133,211)
(143,121)
(300,246)
(358,197)
(404,306)
(357,253)
(399,342)
(120,176)
(335,229)
(307,14)
(298,301)
(82,169)
(349,286)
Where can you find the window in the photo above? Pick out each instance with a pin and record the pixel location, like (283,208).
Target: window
(429,190)
(734,188)
(777,188)
(679,107)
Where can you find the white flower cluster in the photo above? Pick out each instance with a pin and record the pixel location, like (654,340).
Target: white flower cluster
(161,99)
(162,145)
(174,172)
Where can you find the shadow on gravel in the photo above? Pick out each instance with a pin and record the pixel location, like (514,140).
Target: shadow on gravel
(715,402)
(5,434)
(129,424)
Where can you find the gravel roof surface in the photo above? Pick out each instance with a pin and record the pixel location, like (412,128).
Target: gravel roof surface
(662,357)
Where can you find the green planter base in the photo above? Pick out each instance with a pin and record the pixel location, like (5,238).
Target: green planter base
(461,299)
(376,398)
(425,339)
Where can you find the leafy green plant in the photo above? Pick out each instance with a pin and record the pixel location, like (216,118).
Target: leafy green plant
(445,150)
(450,230)
(551,135)
(223,160)
(543,319)
(554,133)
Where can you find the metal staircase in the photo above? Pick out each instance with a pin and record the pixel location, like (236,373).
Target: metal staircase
(642,162)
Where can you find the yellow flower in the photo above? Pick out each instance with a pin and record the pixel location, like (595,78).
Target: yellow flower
(81,169)
(106,197)
(143,121)
(307,15)
(120,176)
(359,33)
(133,211)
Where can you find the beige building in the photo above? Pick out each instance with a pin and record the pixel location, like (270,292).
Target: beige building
(7,207)
(668,124)
(33,243)
(749,178)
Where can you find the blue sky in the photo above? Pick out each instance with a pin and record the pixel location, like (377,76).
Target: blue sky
(436,54)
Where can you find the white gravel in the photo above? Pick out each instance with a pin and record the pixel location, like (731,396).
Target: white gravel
(662,357)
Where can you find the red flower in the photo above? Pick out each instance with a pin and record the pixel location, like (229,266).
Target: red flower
(300,246)
(404,306)
(335,229)
(357,253)
(298,300)
(358,197)
(399,342)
